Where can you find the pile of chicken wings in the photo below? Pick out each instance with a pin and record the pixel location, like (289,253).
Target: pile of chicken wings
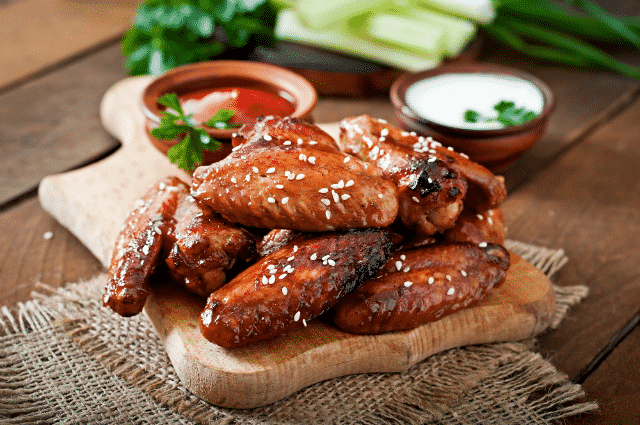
(382,230)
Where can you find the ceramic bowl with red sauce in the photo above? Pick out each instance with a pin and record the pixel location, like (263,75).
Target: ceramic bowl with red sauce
(434,103)
(250,89)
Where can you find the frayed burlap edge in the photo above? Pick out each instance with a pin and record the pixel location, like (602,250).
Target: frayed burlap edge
(432,396)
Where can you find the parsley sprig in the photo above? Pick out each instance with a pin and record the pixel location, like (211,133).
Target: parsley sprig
(188,152)
(508,114)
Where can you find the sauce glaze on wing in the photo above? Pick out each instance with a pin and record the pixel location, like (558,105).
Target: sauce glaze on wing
(419,286)
(277,186)
(295,284)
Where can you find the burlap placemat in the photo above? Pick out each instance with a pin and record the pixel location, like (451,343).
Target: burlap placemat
(66,359)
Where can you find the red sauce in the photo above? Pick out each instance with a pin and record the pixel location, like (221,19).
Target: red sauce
(247,103)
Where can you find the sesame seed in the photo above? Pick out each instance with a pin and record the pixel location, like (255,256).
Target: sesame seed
(287,142)
(296,316)
(313,142)
(406,269)
(408,283)
(448,278)
(326,257)
(431,280)
(286,173)
(302,157)
(398,265)
(295,248)
(312,160)
(323,190)
(432,159)
(271,170)
(265,279)
(233,180)
(480,217)
(490,212)
(234,134)
(162,186)
(415,199)
(349,183)
(380,195)
(464,155)
(47,235)
(314,256)
(284,200)
(463,273)
(413,133)
(482,244)
(328,214)
(299,141)
(272,279)
(291,176)
(384,132)
(271,200)
(336,198)
(234,149)
(255,169)
(403,257)
(345,196)
(300,176)
(451,291)
(248,177)
(267,137)
(380,120)
(331,262)
(347,159)
(450,148)
(304,322)
(490,221)
(284,290)
(291,258)
(271,266)
(325,201)
(273,271)
(279,186)
(282,276)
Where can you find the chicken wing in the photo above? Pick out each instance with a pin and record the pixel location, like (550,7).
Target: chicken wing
(293,285)
(202,246)
(196,244)
(486,226)
(430,193)
(285,131)
(279,186)
(139,245)
(485,191)
(420,286)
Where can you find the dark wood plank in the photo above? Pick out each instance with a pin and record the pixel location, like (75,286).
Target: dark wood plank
(52,124)
(616,386)
(28,257)
(588,203)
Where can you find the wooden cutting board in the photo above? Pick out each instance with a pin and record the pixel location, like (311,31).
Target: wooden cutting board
(93,203)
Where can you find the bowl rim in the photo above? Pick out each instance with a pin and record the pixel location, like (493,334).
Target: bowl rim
(301,89)
(399,89)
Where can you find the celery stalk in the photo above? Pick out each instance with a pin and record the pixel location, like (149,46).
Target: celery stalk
(458,31)
(421,38)
(319,14)
(481,11)
(290,28)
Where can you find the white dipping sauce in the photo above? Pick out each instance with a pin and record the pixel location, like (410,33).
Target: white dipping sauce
(444,99)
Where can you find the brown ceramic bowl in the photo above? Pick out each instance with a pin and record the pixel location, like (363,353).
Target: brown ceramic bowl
(496,149)
(223,74)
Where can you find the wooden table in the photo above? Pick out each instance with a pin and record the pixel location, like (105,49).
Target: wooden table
(577,189)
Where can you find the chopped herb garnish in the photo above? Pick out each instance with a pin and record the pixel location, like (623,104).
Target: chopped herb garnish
(188,152)
(508,114)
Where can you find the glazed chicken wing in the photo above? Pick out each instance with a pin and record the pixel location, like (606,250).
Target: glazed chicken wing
(139,245)
(419,286)
(277,186)
(430,193)
(291,286)
(285,131)
(485,226)
(197,245)
(485,190)
(202,246)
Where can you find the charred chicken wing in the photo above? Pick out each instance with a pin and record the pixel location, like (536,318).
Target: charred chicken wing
(420,286)
(430,193)
(293,285)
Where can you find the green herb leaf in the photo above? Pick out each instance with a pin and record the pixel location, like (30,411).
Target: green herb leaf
(508,114)
(168,33)
(188,152)
(221,120)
